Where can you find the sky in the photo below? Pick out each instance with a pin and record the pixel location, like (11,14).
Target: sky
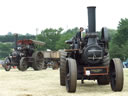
(25,16)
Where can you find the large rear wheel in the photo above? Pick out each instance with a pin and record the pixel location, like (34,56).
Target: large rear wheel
(38,63)
(116,74)
(71,75)
(62,68)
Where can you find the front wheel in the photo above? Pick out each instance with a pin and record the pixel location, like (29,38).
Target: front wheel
(62,68)
(23,66)
(7,64)
(71,75)
(116,74)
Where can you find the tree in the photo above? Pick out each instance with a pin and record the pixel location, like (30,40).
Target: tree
(50,37)
(66,36)
(5,49)
(10,38)
(122,36)
(9,33)
(119,42)
(112,33)
(115,51)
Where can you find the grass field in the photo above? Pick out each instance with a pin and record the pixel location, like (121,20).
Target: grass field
(46,83)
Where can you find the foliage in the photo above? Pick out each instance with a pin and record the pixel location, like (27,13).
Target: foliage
(50,37)
(66,36)
(5,49)
(10,38)
(119,43)
(6,43)
(55,38)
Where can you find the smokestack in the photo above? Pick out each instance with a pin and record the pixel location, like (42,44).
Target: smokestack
(91,19)
(91,25)
(15,41)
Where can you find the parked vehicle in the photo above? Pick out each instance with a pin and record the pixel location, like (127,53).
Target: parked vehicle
(52,59)
(25,55)
(89,59)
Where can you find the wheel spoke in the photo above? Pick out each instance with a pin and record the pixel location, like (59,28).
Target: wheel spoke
(39,65)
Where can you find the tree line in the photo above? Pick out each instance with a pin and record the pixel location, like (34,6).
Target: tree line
(55,39)
(10,37)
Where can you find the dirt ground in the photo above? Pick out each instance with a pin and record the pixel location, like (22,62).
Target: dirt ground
(46,83)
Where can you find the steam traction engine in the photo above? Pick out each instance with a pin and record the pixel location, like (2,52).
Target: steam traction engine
(89,59)
(25,56)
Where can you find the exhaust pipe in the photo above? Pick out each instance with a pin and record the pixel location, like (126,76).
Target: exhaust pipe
(91,26)
(15,41)
(91,19)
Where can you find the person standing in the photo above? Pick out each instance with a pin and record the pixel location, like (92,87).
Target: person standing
(78,38)
(79,34)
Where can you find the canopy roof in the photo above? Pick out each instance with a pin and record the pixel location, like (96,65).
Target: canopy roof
(27,41)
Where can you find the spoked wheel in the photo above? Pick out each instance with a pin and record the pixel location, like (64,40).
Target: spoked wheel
(62,68)
(7,64)
(116,74)
(71,75)
(38,63)
(23,66)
